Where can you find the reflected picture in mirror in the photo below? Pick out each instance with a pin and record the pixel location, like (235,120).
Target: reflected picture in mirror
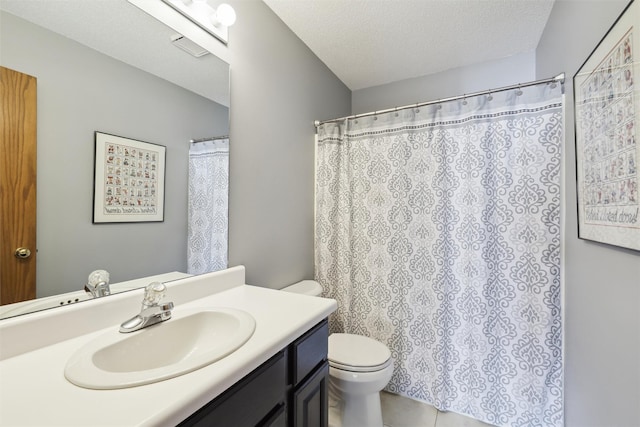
(105,66)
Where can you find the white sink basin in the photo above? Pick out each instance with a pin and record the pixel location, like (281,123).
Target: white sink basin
(190,340)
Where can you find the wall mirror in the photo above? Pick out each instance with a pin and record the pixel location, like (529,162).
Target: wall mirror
(107,66)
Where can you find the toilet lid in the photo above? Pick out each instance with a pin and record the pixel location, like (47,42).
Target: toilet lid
(357,353)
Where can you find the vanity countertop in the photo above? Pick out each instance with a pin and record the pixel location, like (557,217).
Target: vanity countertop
(34,391)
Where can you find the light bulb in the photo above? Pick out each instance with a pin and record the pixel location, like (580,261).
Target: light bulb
(224,15)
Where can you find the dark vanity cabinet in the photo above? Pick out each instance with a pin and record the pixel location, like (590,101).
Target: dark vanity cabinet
(288,390)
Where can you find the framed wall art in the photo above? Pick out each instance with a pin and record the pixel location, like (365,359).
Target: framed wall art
(607,111)
(128,181)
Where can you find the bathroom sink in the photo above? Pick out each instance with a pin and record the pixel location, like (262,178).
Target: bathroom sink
(190,340)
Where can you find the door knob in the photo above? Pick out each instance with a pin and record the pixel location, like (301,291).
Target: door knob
(22,253)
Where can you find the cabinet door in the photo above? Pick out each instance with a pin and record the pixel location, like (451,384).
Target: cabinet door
(311,400)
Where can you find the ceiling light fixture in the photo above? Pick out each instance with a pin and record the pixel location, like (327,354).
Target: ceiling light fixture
(215,21)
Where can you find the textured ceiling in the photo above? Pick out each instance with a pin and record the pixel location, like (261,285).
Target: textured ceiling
(372,42)
(364,42)
(122,31)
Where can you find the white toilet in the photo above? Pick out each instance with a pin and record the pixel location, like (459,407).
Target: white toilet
(359,368)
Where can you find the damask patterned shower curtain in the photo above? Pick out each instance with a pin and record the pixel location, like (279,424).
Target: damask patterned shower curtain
(208,206)
(438,233)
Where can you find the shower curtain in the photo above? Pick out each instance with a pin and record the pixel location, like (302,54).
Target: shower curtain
(438,233)
(208,206)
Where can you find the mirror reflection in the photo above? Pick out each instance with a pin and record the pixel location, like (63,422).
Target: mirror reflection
(109,67)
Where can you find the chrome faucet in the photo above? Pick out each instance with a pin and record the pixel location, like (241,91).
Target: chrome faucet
(98,284)
(152,312)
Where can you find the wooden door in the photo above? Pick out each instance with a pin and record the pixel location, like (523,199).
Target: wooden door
(17,186)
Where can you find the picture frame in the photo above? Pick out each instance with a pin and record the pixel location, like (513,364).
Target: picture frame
(607,112)
(128,180)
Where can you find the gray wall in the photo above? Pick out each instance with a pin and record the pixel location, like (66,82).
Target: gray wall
(458,81)
(278,88)
(602,283)
(81,91)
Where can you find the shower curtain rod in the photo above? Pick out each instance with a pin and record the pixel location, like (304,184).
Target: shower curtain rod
(213,138)
(559,78)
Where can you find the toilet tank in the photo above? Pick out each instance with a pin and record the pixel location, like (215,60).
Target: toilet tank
(306,287)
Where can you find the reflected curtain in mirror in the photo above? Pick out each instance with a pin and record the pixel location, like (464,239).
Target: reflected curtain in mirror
(208,206)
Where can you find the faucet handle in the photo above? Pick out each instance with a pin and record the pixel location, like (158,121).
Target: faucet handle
(98,276)
(98,284)
(153,293)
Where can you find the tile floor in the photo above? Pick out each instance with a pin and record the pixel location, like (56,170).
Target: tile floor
(399,411)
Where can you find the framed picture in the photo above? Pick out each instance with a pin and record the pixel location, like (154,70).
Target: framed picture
(607,107)
(129,180)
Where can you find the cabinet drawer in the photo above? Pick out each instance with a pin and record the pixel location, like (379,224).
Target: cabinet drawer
(248,401)
(309,351)
(277,418)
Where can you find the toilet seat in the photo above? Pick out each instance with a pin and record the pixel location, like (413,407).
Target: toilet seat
(357,353)
(352,368)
